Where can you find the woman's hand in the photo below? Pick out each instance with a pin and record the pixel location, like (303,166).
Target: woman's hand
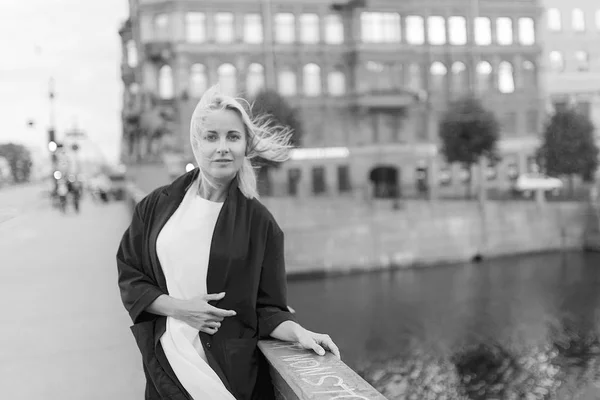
(198,314)
(316,342)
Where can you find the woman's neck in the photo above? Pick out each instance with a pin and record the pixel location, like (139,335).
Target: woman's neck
(216,194)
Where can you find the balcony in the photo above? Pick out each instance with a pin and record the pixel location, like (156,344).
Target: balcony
(392,99)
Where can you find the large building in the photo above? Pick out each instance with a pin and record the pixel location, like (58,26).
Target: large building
(370,79)
(571,57)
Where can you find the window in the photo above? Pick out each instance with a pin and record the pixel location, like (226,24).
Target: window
(132,55)
(414,77)
(165,82)
(375,77)
(312,80)
(483,31)
(293,179)
(529,77)
(343,173)
(253,30)
(336,83)
(309,28)
(506,79)
(460,81)
(195,27)
(578,20)
(318,180)
(557,62)
(334,29)
(554,19)
(583,60)
(457,30)
(436,30)
(415,30)
(227,75)
(378,27)
(484,76)
(526,31)
(504,32)
(285,28)
(161,27)
(438,72)
(286,82)
(224,27)
(255,80)
(199,80)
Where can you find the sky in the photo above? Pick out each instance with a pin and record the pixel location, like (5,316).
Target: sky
(76,42)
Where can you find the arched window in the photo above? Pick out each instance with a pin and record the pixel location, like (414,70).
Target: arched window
(312,80)
(199,80)
(161,26)
(459,77)
(557,63)
(506,80)
(255,80)
(165,82)
(583,60)
(132,55)
(484,76)
(554,19)
(228,79)
(578,20)
(438,72)
(336,83)
(529,77)
(286,82)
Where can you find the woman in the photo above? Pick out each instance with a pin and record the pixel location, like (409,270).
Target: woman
(201,267)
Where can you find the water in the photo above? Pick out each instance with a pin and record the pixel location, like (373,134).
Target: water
(515,328)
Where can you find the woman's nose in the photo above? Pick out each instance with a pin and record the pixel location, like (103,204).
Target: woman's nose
(223,146)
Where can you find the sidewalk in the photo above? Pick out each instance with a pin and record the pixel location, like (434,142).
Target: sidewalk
(64,333)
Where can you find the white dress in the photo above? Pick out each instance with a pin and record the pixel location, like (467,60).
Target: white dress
(183,248)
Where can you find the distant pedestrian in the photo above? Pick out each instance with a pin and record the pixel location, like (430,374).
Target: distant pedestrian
(62,191)
(201,267)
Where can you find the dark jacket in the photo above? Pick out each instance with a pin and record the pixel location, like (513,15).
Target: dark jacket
(246,261)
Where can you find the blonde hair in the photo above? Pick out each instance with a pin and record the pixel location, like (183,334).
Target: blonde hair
(264,138)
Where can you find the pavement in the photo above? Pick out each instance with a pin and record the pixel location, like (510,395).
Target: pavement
(64,333)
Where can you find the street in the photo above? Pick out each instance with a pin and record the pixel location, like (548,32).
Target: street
(64,332)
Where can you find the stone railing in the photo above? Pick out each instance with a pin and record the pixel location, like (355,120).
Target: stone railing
(300,374)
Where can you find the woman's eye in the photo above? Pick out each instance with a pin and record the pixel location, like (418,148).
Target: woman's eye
(234,137)
(211,137)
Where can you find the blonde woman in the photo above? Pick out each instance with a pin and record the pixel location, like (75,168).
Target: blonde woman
(201,267)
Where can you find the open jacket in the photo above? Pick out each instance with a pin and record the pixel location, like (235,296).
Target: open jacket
(246,261)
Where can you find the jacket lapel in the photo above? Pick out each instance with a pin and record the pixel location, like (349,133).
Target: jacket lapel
(223,241)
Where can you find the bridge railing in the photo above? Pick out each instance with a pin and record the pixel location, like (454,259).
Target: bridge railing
(296,373)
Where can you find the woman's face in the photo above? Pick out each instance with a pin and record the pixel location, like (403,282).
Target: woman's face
(222,145)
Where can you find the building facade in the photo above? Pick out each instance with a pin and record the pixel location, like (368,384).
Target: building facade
(571,55)
(370,79)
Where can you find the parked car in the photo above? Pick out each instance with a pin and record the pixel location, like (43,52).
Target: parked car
(527,184)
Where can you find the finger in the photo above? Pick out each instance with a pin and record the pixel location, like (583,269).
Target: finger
(214,296)
(213,324)
(318,349)
(328,344)
(210,331)
(214,318)
(219,312)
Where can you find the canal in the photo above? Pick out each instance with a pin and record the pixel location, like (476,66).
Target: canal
(513,328)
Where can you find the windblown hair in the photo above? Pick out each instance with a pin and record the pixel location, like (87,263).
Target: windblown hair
(264,138)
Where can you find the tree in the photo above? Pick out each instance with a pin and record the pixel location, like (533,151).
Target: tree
(469,133)
(19,159)
(569,147)
(281,113)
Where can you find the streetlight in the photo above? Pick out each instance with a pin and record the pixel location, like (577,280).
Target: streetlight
(52,146)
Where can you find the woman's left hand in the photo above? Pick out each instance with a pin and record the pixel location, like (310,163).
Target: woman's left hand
(317,342)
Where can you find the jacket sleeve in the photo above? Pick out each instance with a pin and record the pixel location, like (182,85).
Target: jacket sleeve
(138,290)
(272,291)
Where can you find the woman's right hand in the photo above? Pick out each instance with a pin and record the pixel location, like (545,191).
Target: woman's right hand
(198,314)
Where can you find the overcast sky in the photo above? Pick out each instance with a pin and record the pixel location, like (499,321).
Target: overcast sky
(77,43)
